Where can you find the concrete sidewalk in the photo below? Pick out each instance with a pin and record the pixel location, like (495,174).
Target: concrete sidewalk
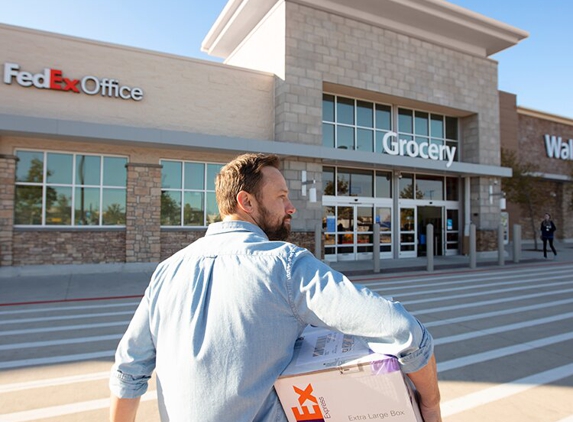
(46,283)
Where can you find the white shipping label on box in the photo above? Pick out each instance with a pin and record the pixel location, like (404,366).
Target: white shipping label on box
(335,377)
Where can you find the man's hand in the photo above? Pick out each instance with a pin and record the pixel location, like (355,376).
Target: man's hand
(431,414)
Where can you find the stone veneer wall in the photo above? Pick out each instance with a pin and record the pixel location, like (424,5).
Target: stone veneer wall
(486,240)
(143,213)
(322,47)
(7,192)
(325,48)
(43,247)
(305,240)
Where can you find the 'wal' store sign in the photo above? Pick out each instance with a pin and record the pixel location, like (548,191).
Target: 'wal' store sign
(557,148)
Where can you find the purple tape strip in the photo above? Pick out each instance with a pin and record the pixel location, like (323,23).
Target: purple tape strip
(385,366)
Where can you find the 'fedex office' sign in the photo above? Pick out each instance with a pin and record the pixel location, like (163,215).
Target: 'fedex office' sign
(55,79)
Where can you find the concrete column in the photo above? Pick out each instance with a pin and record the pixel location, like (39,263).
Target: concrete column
(376,248)
(516,243)
(430,247)
(500,247)
(473,249)
(318,241)
(7,195)
(143,213)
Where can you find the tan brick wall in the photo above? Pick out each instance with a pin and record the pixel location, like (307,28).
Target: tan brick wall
(45,247)
(143,213)
(531,135)
(7,192)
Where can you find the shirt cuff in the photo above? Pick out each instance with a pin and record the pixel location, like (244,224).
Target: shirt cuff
(126,386)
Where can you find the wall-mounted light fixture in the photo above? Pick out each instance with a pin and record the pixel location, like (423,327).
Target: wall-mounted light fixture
(501,194)
(311,190)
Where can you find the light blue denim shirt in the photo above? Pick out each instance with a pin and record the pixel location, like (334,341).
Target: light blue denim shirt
(219,320)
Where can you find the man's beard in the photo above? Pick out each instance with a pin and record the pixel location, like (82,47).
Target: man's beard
(274,231)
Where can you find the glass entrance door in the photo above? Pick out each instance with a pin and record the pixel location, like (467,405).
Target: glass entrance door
(407,232)
(430,215)
(348,232)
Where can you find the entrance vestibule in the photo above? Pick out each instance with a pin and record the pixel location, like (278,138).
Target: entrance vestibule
(430,215)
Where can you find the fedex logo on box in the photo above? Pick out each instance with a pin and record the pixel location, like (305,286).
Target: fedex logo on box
(302,412)
(54,79)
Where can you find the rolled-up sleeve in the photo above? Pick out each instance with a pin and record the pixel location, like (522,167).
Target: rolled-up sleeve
(326,298)
(134,357)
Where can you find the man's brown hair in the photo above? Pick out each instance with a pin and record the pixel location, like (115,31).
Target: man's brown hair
(243,173)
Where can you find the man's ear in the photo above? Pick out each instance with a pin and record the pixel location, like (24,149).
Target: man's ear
(245,202)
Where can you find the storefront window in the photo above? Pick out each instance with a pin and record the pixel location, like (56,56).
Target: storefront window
(354,124)
(452,189)
(352,182)
(406,186)
(383,184)
(405,121)
(328,108)
(345,110)
(430,187)
(328,181)
(188,193)
(64,189)
(364,114)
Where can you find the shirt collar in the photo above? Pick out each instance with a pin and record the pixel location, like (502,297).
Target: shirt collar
(234,226)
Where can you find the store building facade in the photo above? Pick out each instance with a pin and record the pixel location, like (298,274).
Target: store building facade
(382,114)
(543,143)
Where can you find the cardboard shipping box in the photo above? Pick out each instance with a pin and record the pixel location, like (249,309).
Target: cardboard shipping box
(335,377)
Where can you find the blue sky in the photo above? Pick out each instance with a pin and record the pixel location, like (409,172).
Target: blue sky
(538,69)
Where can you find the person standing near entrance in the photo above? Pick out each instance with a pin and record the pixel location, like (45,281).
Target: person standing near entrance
(547,230)
(220,318)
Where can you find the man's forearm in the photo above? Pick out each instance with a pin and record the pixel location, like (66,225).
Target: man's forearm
(426,382)
(123,410)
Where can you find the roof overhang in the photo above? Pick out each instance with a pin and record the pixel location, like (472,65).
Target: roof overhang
(47,128)
(434,21)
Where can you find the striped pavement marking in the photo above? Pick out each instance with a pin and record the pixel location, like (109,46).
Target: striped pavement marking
(501,312)
(66,409)
(64,328)
(12,364)
(65,317)
(52,382)
(446,279)
(502,329)
(450,407)
(499,392)
(502,352)
(490,302)
(59,342)
(67,308)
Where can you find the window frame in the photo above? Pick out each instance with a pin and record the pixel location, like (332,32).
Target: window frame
(182,190)
(73,186)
